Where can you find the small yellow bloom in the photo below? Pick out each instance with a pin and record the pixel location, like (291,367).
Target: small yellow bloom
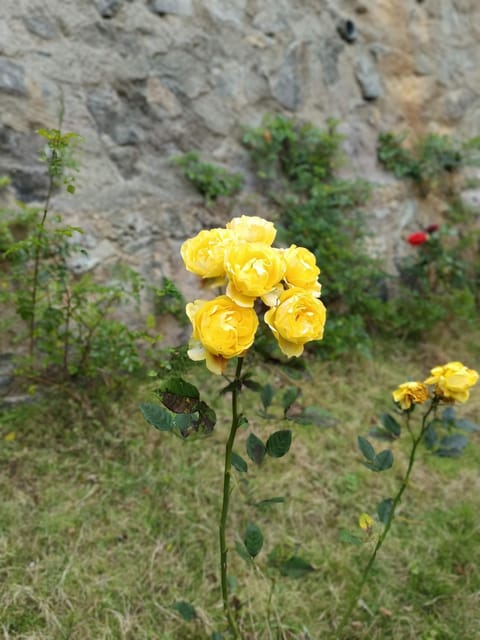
(298,318)
(204,253)
(254,270)
(302,270)
(365,522)
(253,229)
(410,393)
(10,436)
(452,381)
(221,330)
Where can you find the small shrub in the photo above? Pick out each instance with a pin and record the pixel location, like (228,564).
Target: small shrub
(209,180)
(322,213)
(432,157)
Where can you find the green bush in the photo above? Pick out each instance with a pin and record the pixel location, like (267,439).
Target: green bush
(297,163)
(431,157)
(209,180)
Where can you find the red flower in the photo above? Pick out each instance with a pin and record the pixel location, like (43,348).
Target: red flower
(432,228)
(417,238)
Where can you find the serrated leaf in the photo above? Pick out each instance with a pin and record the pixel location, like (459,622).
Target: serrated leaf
(366,448)
(255,449)
(186,610)
(253,540)
(296,567)
(349,538)
(390,424)
(383,460)
(239,463)
(157,416)
(383,510)
(279,443)
(289,396)
(266,395)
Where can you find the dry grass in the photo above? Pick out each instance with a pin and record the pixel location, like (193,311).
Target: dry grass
(106,523)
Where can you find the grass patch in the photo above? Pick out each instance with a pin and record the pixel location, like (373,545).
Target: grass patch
(106,523)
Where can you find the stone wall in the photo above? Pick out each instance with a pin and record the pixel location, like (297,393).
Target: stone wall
(142,81)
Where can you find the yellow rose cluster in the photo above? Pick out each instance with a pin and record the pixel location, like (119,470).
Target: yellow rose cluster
(452,384)
(241,257)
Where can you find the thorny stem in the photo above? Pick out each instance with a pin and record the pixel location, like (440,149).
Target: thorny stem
(226,500)
(415,442)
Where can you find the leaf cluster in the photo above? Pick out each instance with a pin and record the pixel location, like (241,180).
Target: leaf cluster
(210,180)
(297,164)
(432,157)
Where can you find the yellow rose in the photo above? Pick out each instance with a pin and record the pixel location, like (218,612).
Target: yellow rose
(221,330)
(253,270)
(410,393)
(253,229)
(302,270)
(298,318)
(204,254)
(453,381)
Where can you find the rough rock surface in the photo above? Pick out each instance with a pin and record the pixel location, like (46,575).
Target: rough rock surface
(144,80)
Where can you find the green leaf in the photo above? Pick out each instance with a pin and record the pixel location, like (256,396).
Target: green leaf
(179,396)
(381,434)
(186,610)
(216,635)
(279,443)
(231,386)
(253,540)
(451,446)
(242,552)
(71,189)
(349,538)
(239,463)
(255,448)
(251,384)
(289,397)
(315,416)
(390,424)
(448,416)
(467,425)
(383,510)
(383,460)
(266,395)
(269,501)
(295,567)
(366,448)
(157,416)
(430,437)
(242,421)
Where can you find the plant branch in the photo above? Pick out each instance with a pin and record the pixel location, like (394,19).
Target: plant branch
(36,267)
(226,501)
(415,442)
